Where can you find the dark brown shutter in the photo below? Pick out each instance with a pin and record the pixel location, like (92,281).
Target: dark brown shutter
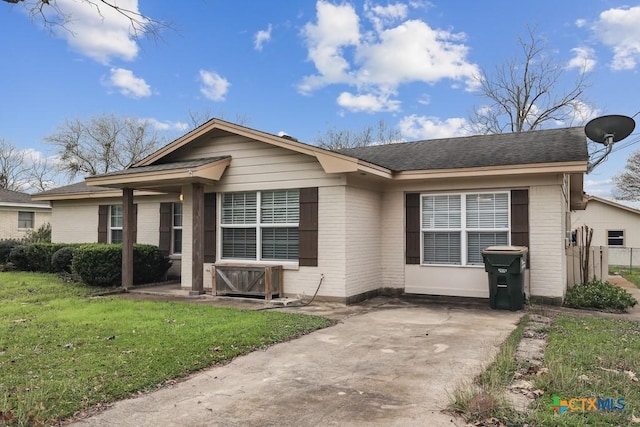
(135,223)
(164,241)
(308,229)
(210,227)
(520,219)
(103,221)
(412,217)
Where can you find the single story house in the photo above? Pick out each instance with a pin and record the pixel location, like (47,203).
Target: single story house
(408,217)
(613,224)
(19,214)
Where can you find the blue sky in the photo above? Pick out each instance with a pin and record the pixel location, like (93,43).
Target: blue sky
(302,67)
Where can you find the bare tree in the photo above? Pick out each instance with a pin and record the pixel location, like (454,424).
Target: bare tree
(13,170)
(102,144)
(334,139)
(22,171)
(198,118)
(526,92)
(53,14)
(627,183)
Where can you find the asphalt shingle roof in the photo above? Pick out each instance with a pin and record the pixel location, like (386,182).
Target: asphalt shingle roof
(544,146)
(8,196)
(78,187)
(166,166)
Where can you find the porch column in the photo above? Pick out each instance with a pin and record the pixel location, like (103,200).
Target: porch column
(128,228)
(197,239)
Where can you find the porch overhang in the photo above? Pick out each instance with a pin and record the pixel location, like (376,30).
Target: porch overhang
(164,177)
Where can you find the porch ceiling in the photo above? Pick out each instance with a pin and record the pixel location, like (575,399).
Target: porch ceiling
(164,177)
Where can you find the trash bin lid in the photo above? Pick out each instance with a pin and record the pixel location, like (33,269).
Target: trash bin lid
(502,249)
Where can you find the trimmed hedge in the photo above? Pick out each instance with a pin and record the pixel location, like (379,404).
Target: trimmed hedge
(62,259)
(100,264)
(35,256)
(18,257)
(5,249)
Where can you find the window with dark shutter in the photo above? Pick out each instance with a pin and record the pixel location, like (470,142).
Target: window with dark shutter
(308,229)
(412,228)
(210,227)
(520,219)
(164,240)
(103,223)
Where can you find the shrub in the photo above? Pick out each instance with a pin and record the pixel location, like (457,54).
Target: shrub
(600,295)
(100,264)
(18,257)
(62,258)
(149,265)
(41,235)
(5,249)
(39,256)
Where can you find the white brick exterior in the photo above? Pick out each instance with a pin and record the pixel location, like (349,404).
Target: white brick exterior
(9,220)
(547,241)
(363,241)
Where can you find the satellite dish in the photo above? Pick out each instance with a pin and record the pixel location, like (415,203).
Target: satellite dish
(609,129)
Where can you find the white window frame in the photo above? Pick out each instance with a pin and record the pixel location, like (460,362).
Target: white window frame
(258,226)
(175,227)
(463,229)
(33,220)
(621,238)
(111,226)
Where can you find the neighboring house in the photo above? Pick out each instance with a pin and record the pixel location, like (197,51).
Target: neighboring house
(613,224)
(19,214)
(410,217)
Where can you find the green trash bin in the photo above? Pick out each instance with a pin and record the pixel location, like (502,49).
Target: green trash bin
(506,265)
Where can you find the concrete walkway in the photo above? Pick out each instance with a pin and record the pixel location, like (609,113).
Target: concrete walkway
(390,364)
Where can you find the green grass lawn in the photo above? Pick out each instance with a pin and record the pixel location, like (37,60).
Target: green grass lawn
(61,351)
(590,358)
(586,357)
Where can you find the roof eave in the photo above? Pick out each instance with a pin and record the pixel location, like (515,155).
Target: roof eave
(522,169)
(207,173)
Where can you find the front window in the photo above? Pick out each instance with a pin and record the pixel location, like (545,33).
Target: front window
(260,225)
(25,219)
(176,226)
(615,237)
(457,227)
(116,218)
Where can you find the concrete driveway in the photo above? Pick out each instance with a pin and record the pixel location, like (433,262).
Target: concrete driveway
(388,365)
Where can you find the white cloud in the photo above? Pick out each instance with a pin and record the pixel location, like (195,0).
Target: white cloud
(262,37)
(384,15)
(368,103)
(167,126)
(619,28)
(99,34)
(425,127)
(128,84)
(378,61)
(214,86)
(580,22)
(583,60)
